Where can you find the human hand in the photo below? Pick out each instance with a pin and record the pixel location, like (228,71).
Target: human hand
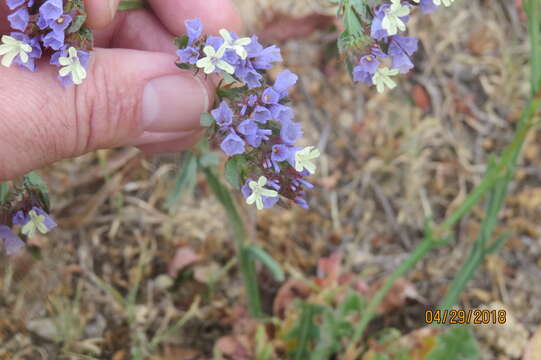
(134,94)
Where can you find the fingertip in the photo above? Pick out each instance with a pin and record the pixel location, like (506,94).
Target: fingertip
(100,12)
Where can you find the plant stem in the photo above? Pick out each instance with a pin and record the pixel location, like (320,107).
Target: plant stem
(246,263)
(420,251)
(131,4)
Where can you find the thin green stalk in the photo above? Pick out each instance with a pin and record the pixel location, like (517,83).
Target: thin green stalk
(131,4)
(368,314)
(246,263)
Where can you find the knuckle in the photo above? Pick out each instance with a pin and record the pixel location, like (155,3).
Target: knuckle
(104,108)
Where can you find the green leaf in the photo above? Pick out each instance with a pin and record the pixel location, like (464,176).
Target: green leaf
(258,253)
(457,342)
(233,170)
(131,4)
(206,119)
(229,79)
(34,181)
(352,23)
(185,180)
(4,191)
(77,24)
(184,66)
(305,331)
(182,41)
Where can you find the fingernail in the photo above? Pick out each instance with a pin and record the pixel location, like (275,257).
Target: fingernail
(173,103)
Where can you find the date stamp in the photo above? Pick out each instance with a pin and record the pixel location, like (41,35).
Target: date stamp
(474,317)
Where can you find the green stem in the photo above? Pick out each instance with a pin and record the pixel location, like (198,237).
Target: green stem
(131,4)
(246,263)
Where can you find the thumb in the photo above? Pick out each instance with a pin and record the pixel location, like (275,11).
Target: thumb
(130,97)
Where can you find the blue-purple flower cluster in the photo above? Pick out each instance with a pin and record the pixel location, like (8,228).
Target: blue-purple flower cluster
(55,26)
(387,53)
(24,222)
(252,122)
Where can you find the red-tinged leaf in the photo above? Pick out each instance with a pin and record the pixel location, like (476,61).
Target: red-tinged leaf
(291,290)
(395,299)
(284,27)
(329,269)
(184,257)
(235,347)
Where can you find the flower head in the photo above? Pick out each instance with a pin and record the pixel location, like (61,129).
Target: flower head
(235,44)
(392,21)
(382,78)
(214,60)
(304,157)
(12,48)
(259,192)
(73,65)
(194,28)
(37,220)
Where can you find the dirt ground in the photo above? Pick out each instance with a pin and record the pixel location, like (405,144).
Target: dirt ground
(387,162)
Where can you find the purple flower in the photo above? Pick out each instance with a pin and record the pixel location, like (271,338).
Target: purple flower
(34,54)
(261,114)
(268,202)
(262,58)
(48,221)
(51,9)
(215,41)
(84,57)
(400,49)
(60,24)
(188,55)
(20,218)
(280,152)
(19,19)
(256,139)
(360,75)
(248,127)
(281,112)
(428,6)
(290,132)
(301,202)
(246,72)
(53,40)
(194,28)
(232,144)
(12,4)
(369,64)
(377,31)
(284,81)
(223,115)
(12,243)
(270,96)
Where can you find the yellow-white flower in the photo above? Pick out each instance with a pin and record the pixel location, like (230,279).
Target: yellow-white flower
(304,157)
(36,223)
(214,60)
(382,78)
(258,191)
(391,21)
(237,45)
(72,65)
(12,47)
